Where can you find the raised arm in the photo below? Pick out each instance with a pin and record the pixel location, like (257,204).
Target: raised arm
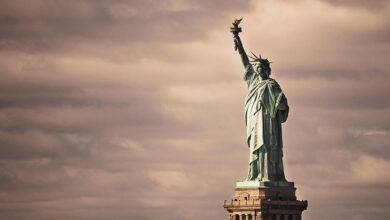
(238,46)
(249,72)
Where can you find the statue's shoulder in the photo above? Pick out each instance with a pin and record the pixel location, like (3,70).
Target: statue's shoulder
(273,82)
(250,73)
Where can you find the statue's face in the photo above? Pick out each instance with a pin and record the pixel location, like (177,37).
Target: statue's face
(263,71)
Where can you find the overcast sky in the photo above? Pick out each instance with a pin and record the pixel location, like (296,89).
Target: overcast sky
(134,109)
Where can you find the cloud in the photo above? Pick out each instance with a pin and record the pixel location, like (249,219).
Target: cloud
(372,5)
(74,25)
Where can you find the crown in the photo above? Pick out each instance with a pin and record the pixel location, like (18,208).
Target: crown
(258,59)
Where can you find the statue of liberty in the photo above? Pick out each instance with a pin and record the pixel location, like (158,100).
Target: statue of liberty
(265,109)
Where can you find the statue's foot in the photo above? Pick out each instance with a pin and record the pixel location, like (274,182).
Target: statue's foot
(249,179)
(262,179)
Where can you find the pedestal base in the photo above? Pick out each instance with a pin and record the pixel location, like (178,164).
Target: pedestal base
(252,184)
(265,203)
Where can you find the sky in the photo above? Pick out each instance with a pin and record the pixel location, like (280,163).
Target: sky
(135,109)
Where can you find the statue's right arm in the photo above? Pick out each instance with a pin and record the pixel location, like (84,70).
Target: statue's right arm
(238,46)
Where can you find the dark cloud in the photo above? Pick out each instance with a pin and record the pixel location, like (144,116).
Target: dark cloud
(58,25)
(371,5)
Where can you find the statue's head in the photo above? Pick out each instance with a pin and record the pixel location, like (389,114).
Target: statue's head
(262,66)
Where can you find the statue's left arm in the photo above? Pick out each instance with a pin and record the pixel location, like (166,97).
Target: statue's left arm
(276,101)
(282,107)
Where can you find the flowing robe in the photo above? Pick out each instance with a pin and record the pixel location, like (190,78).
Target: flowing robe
(265,109)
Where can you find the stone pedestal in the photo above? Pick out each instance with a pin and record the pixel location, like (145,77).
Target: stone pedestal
(265,203)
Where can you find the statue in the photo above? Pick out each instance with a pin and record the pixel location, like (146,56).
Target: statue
(265,109)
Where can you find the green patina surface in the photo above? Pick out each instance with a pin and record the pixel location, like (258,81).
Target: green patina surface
(266,108)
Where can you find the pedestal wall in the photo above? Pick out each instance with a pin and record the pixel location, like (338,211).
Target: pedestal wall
(268,203)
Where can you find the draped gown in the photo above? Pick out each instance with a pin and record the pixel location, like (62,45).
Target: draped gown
(265,109)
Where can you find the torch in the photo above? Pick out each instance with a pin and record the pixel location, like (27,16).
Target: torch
(235,29)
